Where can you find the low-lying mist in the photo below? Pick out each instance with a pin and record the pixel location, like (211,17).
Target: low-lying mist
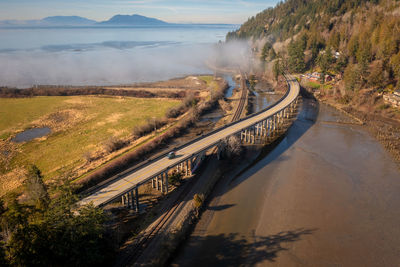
(108,65)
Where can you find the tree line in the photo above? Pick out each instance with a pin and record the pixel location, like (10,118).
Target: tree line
(358,39)
(44,231)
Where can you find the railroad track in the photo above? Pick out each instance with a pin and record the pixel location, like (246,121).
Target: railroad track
(144,240)
(242,100)
(148,236)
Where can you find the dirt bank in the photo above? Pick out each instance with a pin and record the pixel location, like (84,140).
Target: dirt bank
(366,106)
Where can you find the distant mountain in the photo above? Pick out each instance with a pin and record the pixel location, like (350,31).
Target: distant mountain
(132,20)
(54,21)
(49,22)
(14,23)
(67,21)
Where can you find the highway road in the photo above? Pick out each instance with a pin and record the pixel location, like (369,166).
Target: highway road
(117,188)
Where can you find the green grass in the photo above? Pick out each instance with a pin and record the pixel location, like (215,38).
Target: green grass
(100,118)
(313,85)
(210,81)
(17,113)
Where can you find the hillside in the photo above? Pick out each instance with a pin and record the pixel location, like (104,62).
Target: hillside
(67,20)
(345,52)
(358,39)
(132,20)
(76,21)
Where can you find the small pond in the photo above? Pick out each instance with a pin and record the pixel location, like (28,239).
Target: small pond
(30,134)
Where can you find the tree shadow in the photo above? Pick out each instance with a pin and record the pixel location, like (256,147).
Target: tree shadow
(234,250)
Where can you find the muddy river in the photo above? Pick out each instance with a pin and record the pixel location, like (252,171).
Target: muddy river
(327,195)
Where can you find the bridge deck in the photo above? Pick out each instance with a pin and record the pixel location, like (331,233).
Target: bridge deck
(125,183)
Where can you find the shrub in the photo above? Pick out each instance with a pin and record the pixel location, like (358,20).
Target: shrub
(176,178)
(114,144)
(233,146)
(148,127)
(198,200)
(173,112)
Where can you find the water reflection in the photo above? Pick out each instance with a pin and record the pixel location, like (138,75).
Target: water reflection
(30,134)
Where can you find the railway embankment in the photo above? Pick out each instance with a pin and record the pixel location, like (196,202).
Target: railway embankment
(171,232)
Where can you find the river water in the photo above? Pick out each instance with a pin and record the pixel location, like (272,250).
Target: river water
(327,195)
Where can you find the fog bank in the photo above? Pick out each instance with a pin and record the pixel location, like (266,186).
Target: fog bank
(107,65)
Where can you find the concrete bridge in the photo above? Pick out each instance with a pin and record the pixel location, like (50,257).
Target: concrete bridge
(252,129)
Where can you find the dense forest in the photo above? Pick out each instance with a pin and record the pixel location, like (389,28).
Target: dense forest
(356,39)
(44,231)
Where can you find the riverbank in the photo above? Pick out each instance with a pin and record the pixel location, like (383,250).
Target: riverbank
(381,121)
(326,195)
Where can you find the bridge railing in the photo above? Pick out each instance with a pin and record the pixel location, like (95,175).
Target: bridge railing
(150,160)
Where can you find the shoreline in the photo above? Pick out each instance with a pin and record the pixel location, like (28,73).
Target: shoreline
(383,129)
(289,201)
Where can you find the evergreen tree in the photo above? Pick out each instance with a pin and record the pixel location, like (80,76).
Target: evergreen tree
(272,54)
(36,188)
(63,234)
(265,51)
(277,69)
(296,57)
(395,66)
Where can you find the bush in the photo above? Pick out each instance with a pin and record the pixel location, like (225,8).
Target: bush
(198,200)
(189,101)
(114,144)
(233,146)
(148,127)
(70,91)
(345,100)
(176,178)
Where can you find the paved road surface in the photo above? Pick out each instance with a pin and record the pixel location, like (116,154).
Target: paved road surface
(115,189)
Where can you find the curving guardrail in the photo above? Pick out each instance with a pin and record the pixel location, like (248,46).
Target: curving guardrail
(266,120)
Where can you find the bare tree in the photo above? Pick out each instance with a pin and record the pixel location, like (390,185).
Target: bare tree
(233,146)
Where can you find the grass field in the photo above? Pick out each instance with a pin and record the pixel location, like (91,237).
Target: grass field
(79,124)
(209,81)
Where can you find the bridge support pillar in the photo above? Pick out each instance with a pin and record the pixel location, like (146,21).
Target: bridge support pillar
(153,183)
(186,168)
(166,182)
(137,207)
(162,187)
(158,182)
(265,128)
(129,198)
(124,200)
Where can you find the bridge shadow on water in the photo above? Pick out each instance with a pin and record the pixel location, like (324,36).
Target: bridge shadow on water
(235,250)
(232,249)
(307,117)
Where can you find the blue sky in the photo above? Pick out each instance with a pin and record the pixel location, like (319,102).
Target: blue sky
(197,11)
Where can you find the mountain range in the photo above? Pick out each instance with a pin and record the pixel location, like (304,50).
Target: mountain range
(76,21)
